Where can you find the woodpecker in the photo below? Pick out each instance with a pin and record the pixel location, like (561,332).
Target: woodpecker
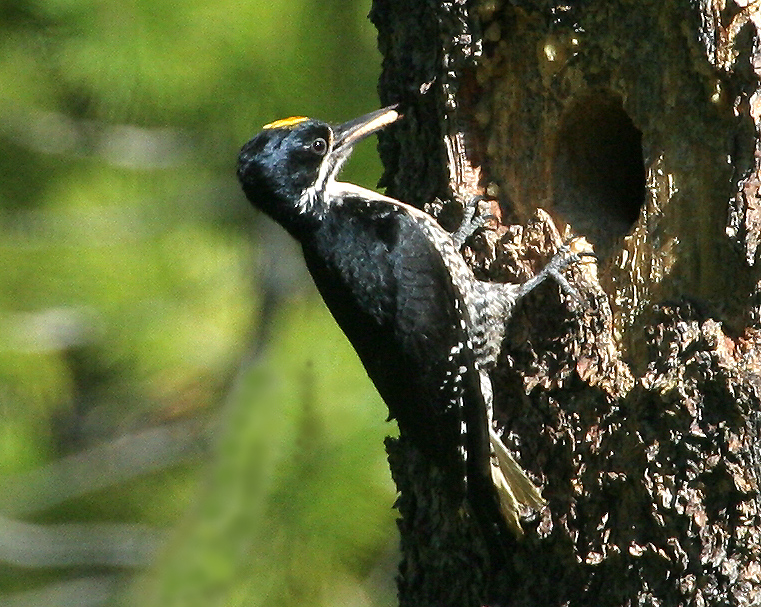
(426,330)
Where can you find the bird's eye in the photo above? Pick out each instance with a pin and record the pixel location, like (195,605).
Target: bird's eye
(319,146)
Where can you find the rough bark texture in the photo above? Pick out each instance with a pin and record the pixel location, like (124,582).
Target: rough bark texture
(638,126)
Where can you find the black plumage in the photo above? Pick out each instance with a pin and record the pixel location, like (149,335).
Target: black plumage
(426,330)
(391,294)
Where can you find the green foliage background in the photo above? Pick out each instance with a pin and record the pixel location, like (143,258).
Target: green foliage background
(141,298)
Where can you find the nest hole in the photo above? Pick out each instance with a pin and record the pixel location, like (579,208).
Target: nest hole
(599,170)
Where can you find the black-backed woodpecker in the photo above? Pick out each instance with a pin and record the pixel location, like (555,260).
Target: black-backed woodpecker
(426,330)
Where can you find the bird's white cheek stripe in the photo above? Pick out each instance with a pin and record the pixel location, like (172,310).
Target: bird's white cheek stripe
(308,200)
(325,189)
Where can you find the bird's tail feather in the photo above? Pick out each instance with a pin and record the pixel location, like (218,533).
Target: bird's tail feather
(514,488)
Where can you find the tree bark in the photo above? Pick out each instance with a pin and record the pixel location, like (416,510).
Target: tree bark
(636,125)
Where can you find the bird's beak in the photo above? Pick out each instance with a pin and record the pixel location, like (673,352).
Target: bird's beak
(349,133)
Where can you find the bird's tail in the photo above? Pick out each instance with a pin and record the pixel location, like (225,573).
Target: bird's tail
(514,488)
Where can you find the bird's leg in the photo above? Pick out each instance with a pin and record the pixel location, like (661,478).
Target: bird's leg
(562,259)
(470,223)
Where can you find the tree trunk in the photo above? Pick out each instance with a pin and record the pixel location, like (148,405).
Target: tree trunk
(636,125)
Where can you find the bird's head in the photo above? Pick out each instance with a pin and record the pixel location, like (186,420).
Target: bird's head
(288,169)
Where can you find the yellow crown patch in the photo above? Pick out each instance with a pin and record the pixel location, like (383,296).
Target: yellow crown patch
(285,122)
